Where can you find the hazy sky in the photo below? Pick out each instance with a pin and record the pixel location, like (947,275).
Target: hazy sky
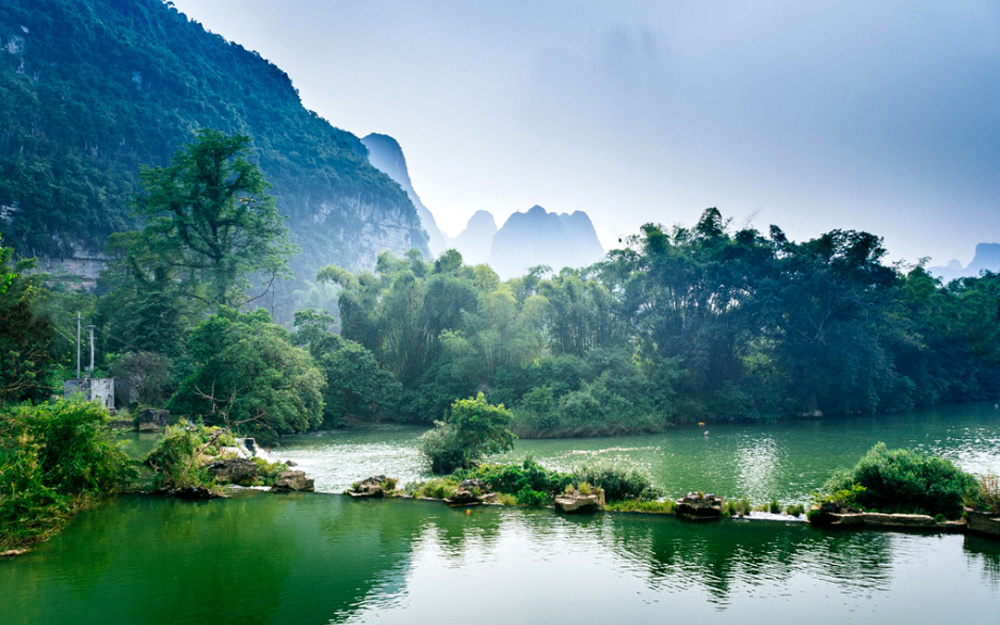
(879,116)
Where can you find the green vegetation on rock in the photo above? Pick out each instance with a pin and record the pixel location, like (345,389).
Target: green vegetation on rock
(55,459)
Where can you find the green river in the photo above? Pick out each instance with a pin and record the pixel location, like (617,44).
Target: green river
(324,558)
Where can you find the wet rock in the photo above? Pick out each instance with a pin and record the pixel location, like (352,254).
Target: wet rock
(293,481)
(233,471)
(983,523)
(578,502)
(878,519)
(697,506)
(374,486)
(195,492)
(468,493)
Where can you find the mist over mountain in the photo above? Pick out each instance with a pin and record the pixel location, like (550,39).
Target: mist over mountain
(538,237)
(385,154)
(92,90)
(987,258)
(475,242)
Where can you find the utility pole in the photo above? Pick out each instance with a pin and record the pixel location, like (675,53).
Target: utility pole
(90,331)
(77,346)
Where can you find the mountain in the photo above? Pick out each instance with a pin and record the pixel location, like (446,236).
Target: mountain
(385,155)
(92,90)
(539,237)
(475,241)
(987,258)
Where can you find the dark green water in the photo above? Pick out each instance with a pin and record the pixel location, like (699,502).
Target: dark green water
(317,558)
(784,461)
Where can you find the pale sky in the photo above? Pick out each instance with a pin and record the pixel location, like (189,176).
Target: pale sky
(879,116)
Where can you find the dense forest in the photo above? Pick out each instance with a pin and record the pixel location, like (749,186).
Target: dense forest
(680,325)
(93,90)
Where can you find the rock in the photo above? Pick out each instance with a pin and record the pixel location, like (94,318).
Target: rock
(233,471)
(983,523)
(695,506)
(374,486)
(293,481)
(194,492)
(578,502)
(468,493)
(250,445)
(879,519)
(152,420)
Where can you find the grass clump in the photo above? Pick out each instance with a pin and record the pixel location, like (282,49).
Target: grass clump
(645,506)
(437,488)
(905,481)
(795,510)
(987,496)
(55,460)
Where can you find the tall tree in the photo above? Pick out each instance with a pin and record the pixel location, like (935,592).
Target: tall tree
(210,224)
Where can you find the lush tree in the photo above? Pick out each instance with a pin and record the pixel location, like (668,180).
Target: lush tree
(210,224)
(472,429)
(28,338)
(356,386)
(247,375)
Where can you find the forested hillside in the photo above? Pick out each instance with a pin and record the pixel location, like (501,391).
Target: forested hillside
(92,90)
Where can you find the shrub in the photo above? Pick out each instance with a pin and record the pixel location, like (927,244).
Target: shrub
(472,429)
(533,498)
(54,459)
(619,483)
(268,472)
(774,507)
(513,478)
(902,480)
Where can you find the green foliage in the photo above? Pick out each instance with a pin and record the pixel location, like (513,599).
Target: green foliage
(248,376)
(620,483)
(54,459)
(512,479)
(102,87)
(987,497)
(795,510)
(473,428)
(644,506)
(356,386)
(210,225)
(437,488)
(902,480)
(268,472)
(533,498)
(29,351)
(175,460)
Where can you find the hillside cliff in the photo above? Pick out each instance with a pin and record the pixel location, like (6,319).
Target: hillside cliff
(91,90)
(385,155)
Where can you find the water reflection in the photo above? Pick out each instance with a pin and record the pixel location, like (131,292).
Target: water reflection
(315,558)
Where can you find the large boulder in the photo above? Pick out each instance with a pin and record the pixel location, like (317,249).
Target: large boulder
(293,481)
(233,471)
(579,502)
(374,486)
(699,506)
